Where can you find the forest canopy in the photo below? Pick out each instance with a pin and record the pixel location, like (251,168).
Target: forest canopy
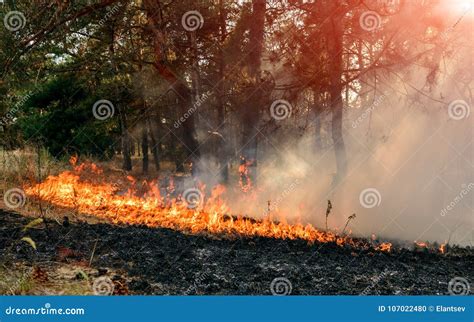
(222,80)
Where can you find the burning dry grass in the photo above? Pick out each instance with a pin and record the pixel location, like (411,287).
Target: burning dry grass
(107,194)
(86,189)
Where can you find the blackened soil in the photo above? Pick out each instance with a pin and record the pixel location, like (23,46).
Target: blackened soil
(162,261)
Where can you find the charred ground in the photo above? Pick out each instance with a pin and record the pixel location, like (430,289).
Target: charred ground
(142,260)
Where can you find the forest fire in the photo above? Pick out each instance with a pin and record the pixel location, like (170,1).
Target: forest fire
(210,215)
(235,148)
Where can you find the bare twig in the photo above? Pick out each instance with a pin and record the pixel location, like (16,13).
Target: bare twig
(328,211)
(93,252)
(42,214)
(347,222)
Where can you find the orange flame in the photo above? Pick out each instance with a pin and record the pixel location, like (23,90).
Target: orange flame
(385,247)
(431,247)
(442,248)
(245,182)
(421,244)
(146,206)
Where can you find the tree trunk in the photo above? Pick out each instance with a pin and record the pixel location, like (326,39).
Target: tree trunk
(145,149)
(125,137)
(195,70)
(317,109)
(191,145)
(127,160)
(250,114)
(335,45)
(223,154)
(155,148)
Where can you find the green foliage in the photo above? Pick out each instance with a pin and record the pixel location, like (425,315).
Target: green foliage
(132,52)
(59,116)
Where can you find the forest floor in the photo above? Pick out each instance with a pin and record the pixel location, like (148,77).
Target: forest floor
(142,260)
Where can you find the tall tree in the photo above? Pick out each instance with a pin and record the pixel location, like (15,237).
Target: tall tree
(250,111)
(156,24)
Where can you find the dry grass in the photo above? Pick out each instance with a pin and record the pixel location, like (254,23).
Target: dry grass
(62,279)
(21,166)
